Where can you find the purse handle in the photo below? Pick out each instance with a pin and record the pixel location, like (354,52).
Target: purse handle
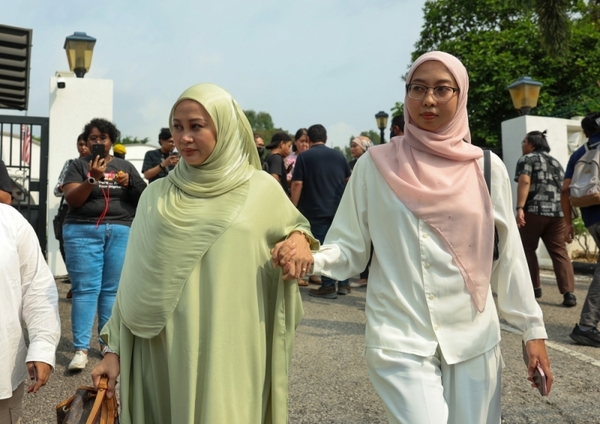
(99,399)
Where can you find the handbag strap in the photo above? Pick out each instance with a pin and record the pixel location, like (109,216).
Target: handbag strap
(487,170)
(96,409)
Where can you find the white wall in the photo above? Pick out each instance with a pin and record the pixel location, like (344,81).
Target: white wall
(70,109)
(563,135)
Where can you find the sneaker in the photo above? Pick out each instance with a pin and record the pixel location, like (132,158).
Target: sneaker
(79,361)
(324,292)
(538,292)
(588,338)
(358,284)
(344,290)
(569,300)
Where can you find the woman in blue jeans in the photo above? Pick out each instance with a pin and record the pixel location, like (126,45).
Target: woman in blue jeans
(102,193)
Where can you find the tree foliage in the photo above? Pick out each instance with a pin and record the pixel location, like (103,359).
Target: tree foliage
(132,140)
(262,124)
(496,41)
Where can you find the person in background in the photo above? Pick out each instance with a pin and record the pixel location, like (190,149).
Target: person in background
(319,180)
(204,334)
(102,192)
(280,147)
(5,185)
(260,148)
(119,151)
(397,127)
(300,145)
(358,147)
(432,337)
(158,163)
(539,180)
(586,331)
(28,305)
(83,151)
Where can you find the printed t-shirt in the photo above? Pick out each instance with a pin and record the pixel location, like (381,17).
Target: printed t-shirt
(122,201)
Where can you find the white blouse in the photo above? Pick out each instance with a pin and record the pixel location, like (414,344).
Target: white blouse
(417,299)
(28,299)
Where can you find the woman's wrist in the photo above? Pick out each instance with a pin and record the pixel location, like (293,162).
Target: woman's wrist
(520,207)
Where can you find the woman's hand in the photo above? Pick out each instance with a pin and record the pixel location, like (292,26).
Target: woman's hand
(122,178)
(520,218)
(97,167)
(537,354)
(293,256)
(111,367)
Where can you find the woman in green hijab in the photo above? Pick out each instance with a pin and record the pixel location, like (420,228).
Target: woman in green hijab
(203,325)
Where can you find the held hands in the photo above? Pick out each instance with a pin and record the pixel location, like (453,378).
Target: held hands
(111,367)
(39,373)
(293,256)
(537,354)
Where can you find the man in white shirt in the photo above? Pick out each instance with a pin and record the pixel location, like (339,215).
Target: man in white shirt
(30,300)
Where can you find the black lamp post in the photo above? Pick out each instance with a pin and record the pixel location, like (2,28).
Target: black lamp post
(381,117)
(524,93)
(79,48)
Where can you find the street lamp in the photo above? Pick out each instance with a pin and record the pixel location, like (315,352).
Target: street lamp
(79,48)
(524,93)
(381,117)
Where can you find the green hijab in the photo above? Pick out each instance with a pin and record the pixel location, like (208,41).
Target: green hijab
(179,217)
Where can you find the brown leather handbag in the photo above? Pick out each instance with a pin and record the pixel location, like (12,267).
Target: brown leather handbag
(89,406)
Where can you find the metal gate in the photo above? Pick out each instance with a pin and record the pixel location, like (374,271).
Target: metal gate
(24,150)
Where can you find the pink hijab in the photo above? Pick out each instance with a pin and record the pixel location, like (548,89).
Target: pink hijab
(436,175)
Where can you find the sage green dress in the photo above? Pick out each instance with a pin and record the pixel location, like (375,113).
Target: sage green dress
(223,355)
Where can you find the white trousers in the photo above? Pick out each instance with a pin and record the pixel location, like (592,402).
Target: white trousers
(426,390)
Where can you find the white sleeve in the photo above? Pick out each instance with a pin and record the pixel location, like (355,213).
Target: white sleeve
(346,250)
(510,275)
(39,297)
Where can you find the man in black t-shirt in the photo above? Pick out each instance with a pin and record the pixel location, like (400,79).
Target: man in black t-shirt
(5,185)
(158,163)
(318,182)
(280,146)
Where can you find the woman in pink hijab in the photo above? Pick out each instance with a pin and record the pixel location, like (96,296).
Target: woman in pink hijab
(432,334)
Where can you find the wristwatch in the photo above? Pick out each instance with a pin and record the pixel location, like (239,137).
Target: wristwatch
(92,181)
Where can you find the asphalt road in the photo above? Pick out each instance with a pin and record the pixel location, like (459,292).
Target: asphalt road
(329,382)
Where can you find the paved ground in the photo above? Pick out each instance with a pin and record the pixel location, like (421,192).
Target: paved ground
(329,382)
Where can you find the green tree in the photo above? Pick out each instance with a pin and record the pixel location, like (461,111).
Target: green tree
(262,124)
(493,40)
(132,140)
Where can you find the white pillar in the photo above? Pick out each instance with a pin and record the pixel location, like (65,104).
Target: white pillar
(559,132)
(71,108)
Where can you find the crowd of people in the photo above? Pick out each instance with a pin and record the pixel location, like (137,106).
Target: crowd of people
(205,333)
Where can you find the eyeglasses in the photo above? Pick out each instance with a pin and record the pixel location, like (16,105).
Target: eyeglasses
(441,93)
(95,138)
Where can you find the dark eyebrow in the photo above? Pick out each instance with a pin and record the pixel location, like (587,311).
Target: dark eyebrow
(437,84)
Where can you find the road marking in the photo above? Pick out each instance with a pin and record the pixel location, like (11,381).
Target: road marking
(556,346)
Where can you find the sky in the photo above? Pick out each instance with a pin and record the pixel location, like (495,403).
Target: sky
(330,62)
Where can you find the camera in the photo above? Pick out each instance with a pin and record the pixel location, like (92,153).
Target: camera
(61,83)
